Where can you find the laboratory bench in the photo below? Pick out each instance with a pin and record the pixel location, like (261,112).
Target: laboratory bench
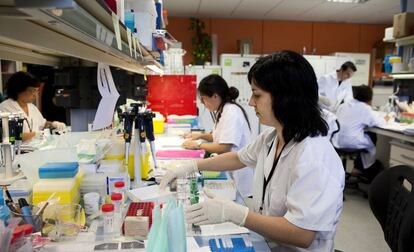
(86,241)
(394,147)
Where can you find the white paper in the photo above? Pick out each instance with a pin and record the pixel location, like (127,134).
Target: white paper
(129,41)
(115,21)
(139,48)
(147,193)
(192,245)
(134,42)
(226,228)
(109,38)
(107,89)
(98,31)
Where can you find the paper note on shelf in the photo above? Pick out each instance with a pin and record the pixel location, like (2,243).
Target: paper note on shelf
(110,95)
(149,193)
(115,21)
(129,41)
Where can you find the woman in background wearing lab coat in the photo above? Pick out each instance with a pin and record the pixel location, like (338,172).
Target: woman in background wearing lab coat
(231,130)
(298,178)
(336,88)
(354,117)
(22,89)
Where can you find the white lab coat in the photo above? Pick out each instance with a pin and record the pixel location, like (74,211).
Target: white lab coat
(354,117)
(232,128)
(330,88)
(331,119)
(34,120)
(306,187)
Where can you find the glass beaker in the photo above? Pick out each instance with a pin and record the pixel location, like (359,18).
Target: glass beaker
(68,221)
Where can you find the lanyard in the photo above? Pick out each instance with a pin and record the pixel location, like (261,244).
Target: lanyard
(28,124)
(266,181)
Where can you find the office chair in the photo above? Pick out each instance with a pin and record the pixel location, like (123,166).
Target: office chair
(345,154)
(392,201)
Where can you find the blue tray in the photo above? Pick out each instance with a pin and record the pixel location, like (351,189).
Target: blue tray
(58,170)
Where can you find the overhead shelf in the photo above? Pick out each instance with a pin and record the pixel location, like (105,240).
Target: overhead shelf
(403,75)
(409,40)
(43,34)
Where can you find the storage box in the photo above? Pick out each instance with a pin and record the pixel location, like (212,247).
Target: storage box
(58,170)
(402,24)
(66,189)
(389,33)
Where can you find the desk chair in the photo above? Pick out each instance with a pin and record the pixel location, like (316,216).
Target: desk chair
(352,154)
(392,201)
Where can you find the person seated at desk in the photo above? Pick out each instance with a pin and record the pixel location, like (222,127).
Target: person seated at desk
(354,117)
(22,89)
(231,130)
(298,176)
(336,88)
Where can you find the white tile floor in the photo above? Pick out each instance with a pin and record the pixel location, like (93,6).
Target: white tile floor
(358,229)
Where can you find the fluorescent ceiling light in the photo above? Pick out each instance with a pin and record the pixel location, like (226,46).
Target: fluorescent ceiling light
(348,1)
(155,69)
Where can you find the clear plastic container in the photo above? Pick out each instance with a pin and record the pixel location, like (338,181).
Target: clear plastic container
(117,202)
(108,219)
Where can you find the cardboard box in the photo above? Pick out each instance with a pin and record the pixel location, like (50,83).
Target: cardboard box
(402,24)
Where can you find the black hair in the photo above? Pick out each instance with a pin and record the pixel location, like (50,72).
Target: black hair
(215,84)
(19,82)
(348,65)
(291,81)
(362,93)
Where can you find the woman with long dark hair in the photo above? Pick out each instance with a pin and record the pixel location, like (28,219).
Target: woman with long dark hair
(231,130)
(298,177)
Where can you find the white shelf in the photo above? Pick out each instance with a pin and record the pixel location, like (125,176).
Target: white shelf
(403,75)
(405,41)
(42,36)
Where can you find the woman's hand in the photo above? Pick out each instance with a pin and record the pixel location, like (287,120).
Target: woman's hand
(214,211)
(191,145)
(192,135)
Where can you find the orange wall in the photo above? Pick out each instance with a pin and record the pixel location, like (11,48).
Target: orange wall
(229,31)
(279,35)
(271,35)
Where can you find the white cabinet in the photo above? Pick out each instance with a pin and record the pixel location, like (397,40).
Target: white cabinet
(327,64)
(401,153)
(205,119)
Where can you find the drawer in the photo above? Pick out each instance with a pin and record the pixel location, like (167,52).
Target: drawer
(395,163)
(402,154)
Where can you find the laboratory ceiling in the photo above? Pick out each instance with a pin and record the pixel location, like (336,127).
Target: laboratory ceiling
(371,12)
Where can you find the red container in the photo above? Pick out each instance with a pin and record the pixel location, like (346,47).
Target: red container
(111,4)
(173,94)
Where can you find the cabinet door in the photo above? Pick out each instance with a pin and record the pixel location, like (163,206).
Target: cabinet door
(402,154)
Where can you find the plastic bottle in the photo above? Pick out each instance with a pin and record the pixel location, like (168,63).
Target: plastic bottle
(117,202)
(108,219)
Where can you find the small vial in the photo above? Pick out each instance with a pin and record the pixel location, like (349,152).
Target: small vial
(108,218)
(119,187)
(117,202)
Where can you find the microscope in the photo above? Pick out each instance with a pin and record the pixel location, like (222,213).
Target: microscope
(11,139)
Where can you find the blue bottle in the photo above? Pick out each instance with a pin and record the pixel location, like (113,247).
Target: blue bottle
(26,211)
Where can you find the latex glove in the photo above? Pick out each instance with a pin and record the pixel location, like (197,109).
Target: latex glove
(191,145)
(192,135)
(324,100)
(60,126)
(214,211)
(180,170)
